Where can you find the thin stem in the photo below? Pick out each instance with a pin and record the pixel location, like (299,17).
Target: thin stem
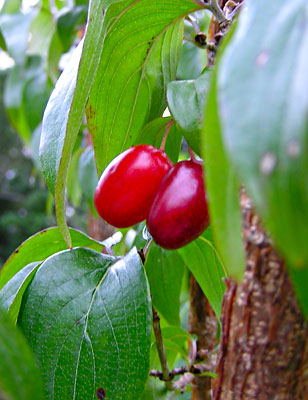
(235,10)
(194,24)
(195,369)
(165,375)
(192,155)
(164,139)
(213,6)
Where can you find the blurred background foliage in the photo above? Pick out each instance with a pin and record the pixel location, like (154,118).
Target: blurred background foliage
(37,38)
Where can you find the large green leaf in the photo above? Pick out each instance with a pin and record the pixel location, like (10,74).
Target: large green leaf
(186,102)
(165,270)
(87,317)
(263,100)
(64,111)
(140,56)
(11,294)
(19,376)
(222,190)
(153,134)
(204,263)
(40,246)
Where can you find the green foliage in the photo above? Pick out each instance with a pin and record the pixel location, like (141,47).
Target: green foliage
(88,315)
(11,294)
(203,261)
(19,376)
(222,189)
(186,101)
(153,133)
(273,154)
(165,270)
(264,74)
(137,62)
(40,246)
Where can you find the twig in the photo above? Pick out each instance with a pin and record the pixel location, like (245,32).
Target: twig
(165,374)
(195,369)
(213,6)
(194,24)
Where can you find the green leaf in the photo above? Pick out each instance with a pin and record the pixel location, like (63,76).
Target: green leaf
(222,190)
(15,29)
(74,192)
(64,111)
(13,92)
(53,57)
(153,133)
(299,279)
(11,294)
(40,246)
(165,270)
(175,341)
(192,62)
(140,56)
(186,102)
(41,32)
(19,376)
(25,96)
(87,317)
(87,175)
(35,95)
(10,6)
(68,22)
(263,104)
(202,259)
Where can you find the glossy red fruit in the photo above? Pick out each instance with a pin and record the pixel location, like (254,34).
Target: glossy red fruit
(126,189)
(179,212)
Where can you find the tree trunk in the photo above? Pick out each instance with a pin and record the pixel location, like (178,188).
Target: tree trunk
(264,339)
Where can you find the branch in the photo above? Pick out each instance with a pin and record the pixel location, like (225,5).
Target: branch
(165,374)
(213,6)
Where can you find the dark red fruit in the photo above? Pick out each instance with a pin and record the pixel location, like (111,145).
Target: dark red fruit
(179,212)
(126,189)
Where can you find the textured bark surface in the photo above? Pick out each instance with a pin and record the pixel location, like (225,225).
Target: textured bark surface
(263,349)
(202,322)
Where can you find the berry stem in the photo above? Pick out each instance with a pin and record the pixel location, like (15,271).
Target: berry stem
(192,155)
(164,139)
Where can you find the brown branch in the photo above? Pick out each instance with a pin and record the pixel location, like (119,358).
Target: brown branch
(161,351)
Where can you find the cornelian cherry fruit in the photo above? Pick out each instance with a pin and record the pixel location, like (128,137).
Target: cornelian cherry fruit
(179,213)
(127,187)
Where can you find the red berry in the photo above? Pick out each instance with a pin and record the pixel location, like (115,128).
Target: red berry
(126,189)
(179,211)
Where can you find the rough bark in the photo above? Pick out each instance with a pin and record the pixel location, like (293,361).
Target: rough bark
(264,339)
(202,323)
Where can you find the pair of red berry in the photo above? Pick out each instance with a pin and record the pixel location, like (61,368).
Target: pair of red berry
(142,183)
